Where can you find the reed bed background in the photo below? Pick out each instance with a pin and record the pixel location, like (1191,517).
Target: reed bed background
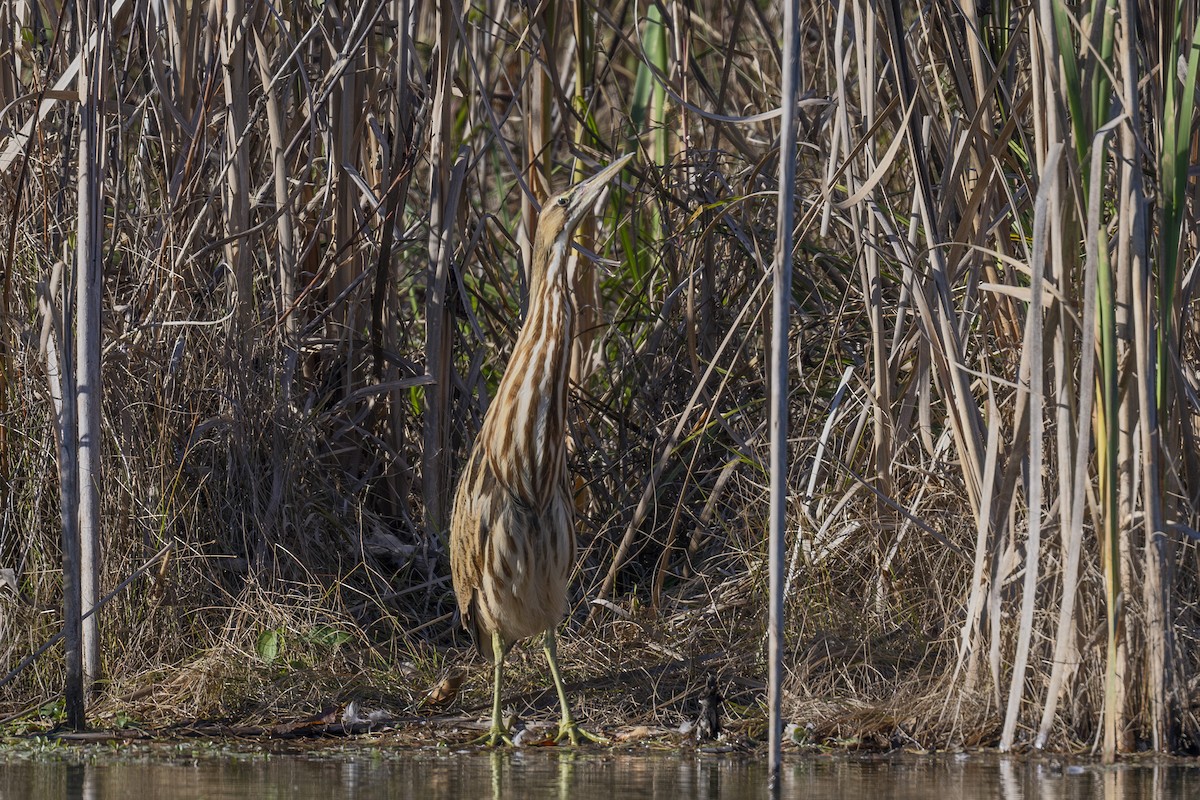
(313,228)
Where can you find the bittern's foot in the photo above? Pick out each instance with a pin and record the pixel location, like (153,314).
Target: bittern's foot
(569,730)
(495,737)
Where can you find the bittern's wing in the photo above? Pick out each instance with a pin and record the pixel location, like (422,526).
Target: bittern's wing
(468,537)
(470,522)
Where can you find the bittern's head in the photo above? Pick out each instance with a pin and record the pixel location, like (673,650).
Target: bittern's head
(563,212)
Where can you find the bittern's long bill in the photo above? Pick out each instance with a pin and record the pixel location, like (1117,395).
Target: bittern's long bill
(512,530)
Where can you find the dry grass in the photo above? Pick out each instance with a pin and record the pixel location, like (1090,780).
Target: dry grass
(313,277)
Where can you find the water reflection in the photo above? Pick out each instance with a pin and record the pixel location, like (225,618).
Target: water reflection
(580,775)
(81,782)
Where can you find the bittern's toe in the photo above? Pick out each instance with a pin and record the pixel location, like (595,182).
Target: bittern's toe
(577,735)
(496,736)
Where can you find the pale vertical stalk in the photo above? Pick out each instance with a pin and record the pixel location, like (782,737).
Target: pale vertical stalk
(583,274)
(1115,688)
(1134,251)
(1128,422)
(1032,359)
(1000,545)
(1117,471)
(1046,124)
(872,284)
(1114,543)
(1073,447)
(346,110)
(538,129)
(968,644)
(52,329)
(439,318)
(1074,511)
(68,472)
(276,102)
(236,176)
(1047,130)
(184,34)
(1073,451)
(780,309)
(89,291)
(81,409)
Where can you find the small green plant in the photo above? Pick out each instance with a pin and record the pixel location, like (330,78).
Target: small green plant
(269,645)
(327,636)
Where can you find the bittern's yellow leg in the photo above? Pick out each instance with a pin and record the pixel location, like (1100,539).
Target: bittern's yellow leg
(567,729)
(497,733)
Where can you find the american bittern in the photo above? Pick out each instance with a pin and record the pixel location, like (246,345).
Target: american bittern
(512,537)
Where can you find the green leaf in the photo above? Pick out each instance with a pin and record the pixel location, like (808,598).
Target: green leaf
(654,51)
(269,643)
(327,636)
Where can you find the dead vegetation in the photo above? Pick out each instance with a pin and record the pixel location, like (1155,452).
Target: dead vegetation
(314,229)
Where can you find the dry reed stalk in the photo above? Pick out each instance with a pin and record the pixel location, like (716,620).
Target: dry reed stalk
(234,27)
(439,338)
(1032,374)
(781,312)
(277,99)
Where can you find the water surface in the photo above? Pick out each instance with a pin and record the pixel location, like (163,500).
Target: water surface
(189,773)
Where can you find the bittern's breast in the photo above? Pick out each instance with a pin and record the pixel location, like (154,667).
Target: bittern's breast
(527,565)
(510,561)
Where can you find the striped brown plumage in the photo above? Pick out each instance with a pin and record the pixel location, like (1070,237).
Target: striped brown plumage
(512,538)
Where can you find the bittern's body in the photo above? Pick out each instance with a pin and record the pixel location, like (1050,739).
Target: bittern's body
(512,531)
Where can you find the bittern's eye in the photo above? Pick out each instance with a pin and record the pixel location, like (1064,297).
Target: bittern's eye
(562,202)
